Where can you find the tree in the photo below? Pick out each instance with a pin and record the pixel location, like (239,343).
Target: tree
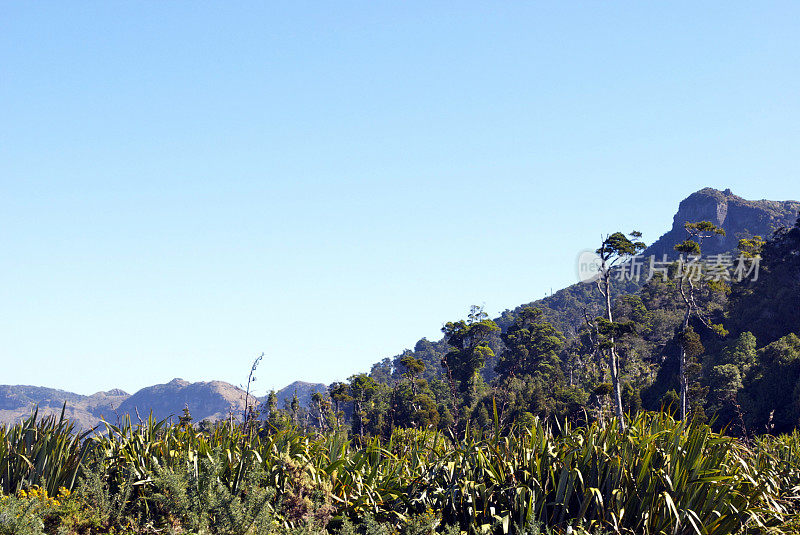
(321,410)
(691,348)
(724,382)
(294,406)
(414,369)
(529,341)
(186,418)
(766,301)
(530,377)
(412,399)
(339,393)
(471,350)
(362,388)
(751,247)
(382,371)
(276,417)
(615,250)
(686,287)
(771,393)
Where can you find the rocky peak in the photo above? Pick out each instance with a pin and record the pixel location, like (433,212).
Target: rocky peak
(739,217)
(303,390)
(179,382)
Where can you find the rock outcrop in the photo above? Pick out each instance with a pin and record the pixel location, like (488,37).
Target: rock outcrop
(739,217)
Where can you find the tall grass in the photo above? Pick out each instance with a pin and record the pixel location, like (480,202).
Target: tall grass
(45,452)
(654,477)
(657,476)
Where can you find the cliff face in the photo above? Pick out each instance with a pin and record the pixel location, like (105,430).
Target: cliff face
(739,217)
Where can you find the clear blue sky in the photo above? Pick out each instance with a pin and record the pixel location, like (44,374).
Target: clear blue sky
(188,184)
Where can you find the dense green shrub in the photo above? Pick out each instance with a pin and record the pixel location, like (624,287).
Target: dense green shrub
(656,477)
(42,452)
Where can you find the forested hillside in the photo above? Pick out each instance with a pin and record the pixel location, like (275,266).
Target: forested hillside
(714,340)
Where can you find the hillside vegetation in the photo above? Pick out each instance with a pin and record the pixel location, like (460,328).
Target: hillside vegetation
(711,349)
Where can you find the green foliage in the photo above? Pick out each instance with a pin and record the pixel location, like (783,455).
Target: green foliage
(195,496)
(532,343)
(768,306)
(471,348)
(703,229)
(523,365)
(751,247)
(41,451)
(740,353)
(658,476)
(771,394)
(22,516)
(617,245)
(688,247)
(690,341)
(362,390)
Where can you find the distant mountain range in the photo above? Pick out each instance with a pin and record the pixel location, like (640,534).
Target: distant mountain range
(215,400)
(212,400)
